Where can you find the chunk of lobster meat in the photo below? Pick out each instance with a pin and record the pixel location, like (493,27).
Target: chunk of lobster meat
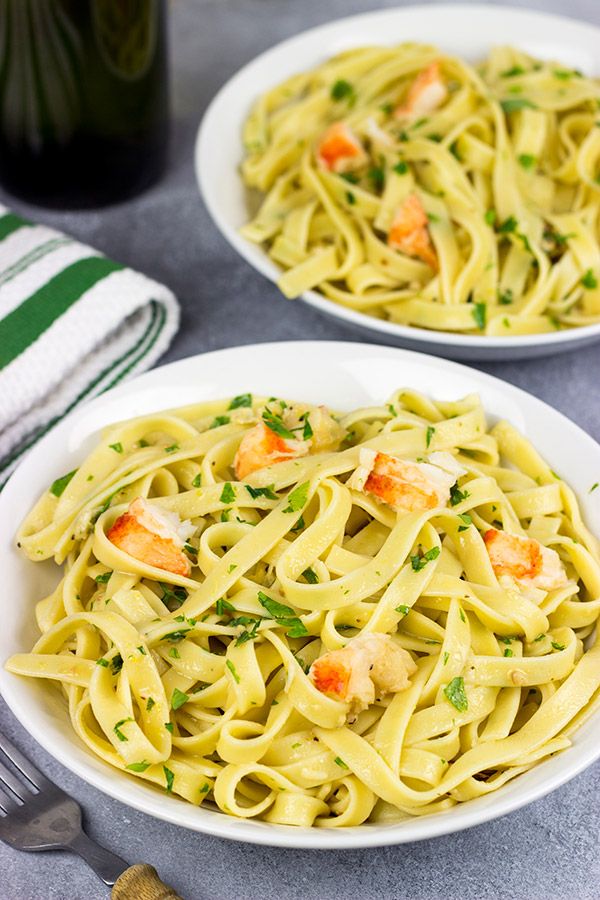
(409,232)
(273,440)
(525,559)
(427,92)
(262,447)
(153,536)
(368,667)
(339,150)
(327,433)
(403,485)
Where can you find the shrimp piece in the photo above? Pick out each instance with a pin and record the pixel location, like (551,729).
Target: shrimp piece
(426,93)
(369,666)
(261,446)
(403,485)
(339,149)
(153,536)
(409,232)
(525,559)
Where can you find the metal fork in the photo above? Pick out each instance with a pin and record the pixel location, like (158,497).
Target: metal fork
(35,815)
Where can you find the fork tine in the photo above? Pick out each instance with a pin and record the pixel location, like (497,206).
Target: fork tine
(23,765)
(19,788)
(7,804)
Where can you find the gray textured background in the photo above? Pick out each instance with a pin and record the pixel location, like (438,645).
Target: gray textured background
(547,850)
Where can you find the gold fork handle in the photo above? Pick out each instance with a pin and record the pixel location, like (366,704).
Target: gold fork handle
(141,882)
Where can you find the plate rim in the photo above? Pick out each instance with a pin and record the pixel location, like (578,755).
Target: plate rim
(145,798)
(255,256)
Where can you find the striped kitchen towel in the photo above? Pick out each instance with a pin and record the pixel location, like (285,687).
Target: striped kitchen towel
(72,324)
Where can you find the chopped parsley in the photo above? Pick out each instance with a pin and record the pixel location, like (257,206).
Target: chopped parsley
(283,615)
(178,698)
(118,447)
(401,168)
(307,431)
(376,176)
(242,400)
(589,280)
(340,762)
(172,448)
(527,160)
(248,634)
(446,657)
(103,578)
(557,646)
(231,568)
(172,597)
(57,487)
(490,216)
(466,520)
(540,637)
(342,90)
(197,482)
(510,73)
(222,605)
(169,778)
(457,496)
(311,576)
(508,651)
(102,662)
(267,492)
(351,199)
(479,313)
(150,703)
(233,671)
(403,609)
(350,177)
(227,494)
(508,226)
(176,636)
(117,729)
(116,664)
(169,727)
(298,526)
(593,487)
(461,614)
(274,422)
(429,434)
(138,767)
(205,788)
(455,693)
(297,498)
(505,298)
(219,420)
(514,104)
(419,562)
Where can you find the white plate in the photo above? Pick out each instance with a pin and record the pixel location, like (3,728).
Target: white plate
(468,31)
(344,376)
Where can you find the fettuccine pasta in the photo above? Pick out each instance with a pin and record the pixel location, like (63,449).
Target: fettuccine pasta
(413,187)
(318,619)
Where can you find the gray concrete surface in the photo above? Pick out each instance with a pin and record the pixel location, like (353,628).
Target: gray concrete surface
(547,850)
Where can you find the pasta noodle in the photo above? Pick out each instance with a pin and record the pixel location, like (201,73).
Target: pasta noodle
(394,615)
(413,187)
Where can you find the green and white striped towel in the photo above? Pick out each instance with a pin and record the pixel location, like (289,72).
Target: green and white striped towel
(72,324)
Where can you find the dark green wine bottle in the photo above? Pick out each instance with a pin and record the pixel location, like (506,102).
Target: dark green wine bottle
(83,99)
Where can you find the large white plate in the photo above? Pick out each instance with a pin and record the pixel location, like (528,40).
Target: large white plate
(344,376)
(469,31)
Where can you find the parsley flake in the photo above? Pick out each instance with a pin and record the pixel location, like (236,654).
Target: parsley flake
(57,487)
(297,498)
(227,494)
(455,693)
(178,698)
(242,400)
(233,671)
(419,562)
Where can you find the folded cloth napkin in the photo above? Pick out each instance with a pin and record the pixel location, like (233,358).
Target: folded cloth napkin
(72,324)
